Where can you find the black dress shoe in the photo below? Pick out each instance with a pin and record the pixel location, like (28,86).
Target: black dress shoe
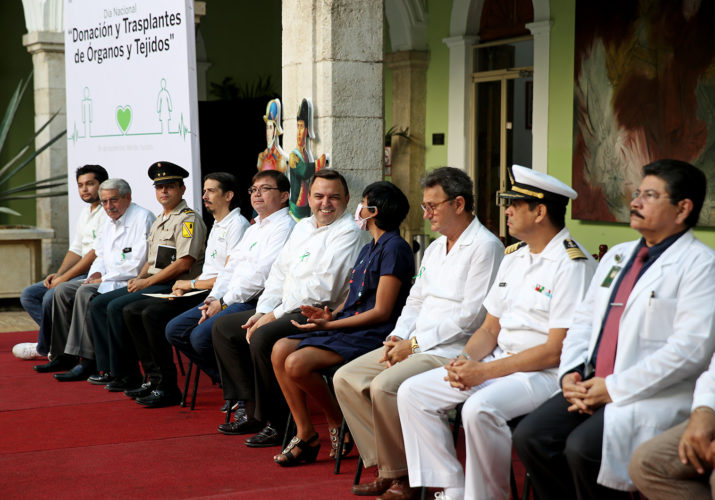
(243,426)
(123,384)
(141,391)
(159,398)
(59,364)
(267,437)
(100,378)
(79,372)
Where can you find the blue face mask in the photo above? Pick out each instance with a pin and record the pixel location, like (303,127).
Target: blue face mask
(362,223)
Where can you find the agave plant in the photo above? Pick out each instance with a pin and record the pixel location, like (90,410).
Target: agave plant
(38,189)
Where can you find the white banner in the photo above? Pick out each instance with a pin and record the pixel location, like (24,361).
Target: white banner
(131,93)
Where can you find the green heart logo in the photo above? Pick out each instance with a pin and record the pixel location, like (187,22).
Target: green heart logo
(124,117)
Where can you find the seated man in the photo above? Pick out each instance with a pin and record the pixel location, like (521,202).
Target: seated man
(679,463)
(239,284)
(121,253)
(508,367)
(312,268)
(652,299)
(175,251)
(444,306)
(146,319)
(37,298)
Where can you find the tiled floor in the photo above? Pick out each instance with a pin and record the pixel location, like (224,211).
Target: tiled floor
(13,318)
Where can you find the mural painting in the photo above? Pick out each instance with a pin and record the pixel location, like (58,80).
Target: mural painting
(644,89)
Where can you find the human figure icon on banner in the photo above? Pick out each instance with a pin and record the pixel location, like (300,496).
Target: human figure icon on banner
(87,113)
(164,107)
(302,165)
(273,157)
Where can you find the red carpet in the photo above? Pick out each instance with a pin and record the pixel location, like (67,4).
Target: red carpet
(76,440)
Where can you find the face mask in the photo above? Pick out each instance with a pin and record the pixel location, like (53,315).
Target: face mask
(362,223)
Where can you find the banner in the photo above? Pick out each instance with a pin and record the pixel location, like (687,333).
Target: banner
(131,93)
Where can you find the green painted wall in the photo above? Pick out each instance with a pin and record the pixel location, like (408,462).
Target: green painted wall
(243,41)
(16,64)
(561,61)
(437,82)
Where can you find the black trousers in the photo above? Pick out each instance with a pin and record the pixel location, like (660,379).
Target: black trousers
(561,451)
(246,369)
(146,322)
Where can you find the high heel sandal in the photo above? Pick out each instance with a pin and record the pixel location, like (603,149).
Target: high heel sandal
(308,453)
(335,441)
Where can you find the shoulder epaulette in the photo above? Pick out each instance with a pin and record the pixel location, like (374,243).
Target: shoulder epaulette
(187,210)
(573,250)
(513,248)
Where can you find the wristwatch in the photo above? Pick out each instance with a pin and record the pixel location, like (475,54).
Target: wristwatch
(193,284)
(223,304)
(414,345)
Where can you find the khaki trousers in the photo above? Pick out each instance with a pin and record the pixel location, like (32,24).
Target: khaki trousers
(658,473)
(367,393)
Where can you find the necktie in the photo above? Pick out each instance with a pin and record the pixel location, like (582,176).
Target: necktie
(606,357)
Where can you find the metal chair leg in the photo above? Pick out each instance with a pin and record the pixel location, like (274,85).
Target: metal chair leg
(288,434)
(186,384)
(358,472)
(341,445)
(196,387)
(181,362)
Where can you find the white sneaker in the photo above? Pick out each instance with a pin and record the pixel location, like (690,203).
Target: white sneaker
(440,495)
(26,350)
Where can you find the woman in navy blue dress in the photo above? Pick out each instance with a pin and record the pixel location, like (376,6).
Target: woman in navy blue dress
(379,285)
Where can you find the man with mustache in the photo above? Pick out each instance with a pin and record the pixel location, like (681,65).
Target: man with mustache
(121,253)
(37,298)
(638,341)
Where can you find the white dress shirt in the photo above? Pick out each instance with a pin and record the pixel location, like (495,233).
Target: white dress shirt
(445,303)
(314,266)
(250,261)
(223,237)
(89,226)
(122,247)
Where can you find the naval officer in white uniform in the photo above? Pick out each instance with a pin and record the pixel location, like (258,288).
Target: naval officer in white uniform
(508,366)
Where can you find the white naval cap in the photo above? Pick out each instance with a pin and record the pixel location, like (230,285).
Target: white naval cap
(528,184)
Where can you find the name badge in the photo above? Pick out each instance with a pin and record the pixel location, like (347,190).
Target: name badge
(610,276)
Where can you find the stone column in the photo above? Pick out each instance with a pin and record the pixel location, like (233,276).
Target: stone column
(48,60)
(332,54)
(409,97)
(541,31)
(460,90)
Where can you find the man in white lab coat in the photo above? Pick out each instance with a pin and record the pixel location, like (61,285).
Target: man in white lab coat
(639,340)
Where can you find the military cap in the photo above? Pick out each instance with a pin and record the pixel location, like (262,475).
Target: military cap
(163,172)
(528,184)
(273,114)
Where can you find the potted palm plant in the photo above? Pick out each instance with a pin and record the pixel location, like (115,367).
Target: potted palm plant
(20,244)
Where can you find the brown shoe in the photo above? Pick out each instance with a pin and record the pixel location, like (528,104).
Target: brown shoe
(400,490)
(377,487)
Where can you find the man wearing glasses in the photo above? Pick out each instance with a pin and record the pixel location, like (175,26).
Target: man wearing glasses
(146,319)
(176,246)
(241,282)
(444,307)
(121,250)
(638,341)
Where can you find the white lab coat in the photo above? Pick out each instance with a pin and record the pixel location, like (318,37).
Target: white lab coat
(666,337)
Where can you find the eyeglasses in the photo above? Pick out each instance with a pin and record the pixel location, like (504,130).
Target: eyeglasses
(429,208)
(649,195)
(260,189)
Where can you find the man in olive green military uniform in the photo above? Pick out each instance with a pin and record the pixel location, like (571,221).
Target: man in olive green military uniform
(176,251)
